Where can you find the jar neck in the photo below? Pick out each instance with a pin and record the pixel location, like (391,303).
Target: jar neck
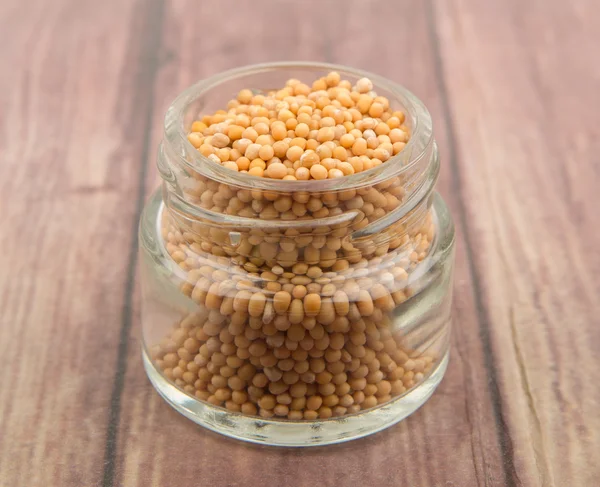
(189,194)
(363,213)
(360,224)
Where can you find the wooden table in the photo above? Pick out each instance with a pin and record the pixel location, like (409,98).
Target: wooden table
(513,90)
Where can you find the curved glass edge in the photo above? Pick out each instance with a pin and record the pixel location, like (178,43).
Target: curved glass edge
(419,146)
(291,433)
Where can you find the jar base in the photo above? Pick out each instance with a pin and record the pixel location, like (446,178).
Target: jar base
(279,432)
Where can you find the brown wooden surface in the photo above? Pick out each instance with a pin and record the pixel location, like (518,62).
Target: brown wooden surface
(513,90)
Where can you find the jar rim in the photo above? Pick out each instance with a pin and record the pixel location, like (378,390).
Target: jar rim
(418,146)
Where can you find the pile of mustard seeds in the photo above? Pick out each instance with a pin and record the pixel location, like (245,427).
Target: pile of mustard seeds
(297,322)
(329,130)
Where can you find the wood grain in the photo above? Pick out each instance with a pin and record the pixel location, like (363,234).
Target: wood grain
(512,73)
(512,88)
(73,101)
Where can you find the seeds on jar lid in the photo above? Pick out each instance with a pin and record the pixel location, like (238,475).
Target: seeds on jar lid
(276,170)
(318,171)
(364,85)
(330,121)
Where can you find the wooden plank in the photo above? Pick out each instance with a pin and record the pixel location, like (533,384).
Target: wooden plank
(73,96)
(521,87)
(453,440)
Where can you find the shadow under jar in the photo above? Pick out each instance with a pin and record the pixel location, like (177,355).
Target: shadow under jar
(297,331)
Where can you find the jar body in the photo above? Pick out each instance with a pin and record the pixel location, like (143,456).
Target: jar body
(302,328)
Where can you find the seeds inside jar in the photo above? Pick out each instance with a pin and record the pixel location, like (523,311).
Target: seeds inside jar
(297,321)
(300,133)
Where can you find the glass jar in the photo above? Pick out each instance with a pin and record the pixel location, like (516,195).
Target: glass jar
(295,312)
